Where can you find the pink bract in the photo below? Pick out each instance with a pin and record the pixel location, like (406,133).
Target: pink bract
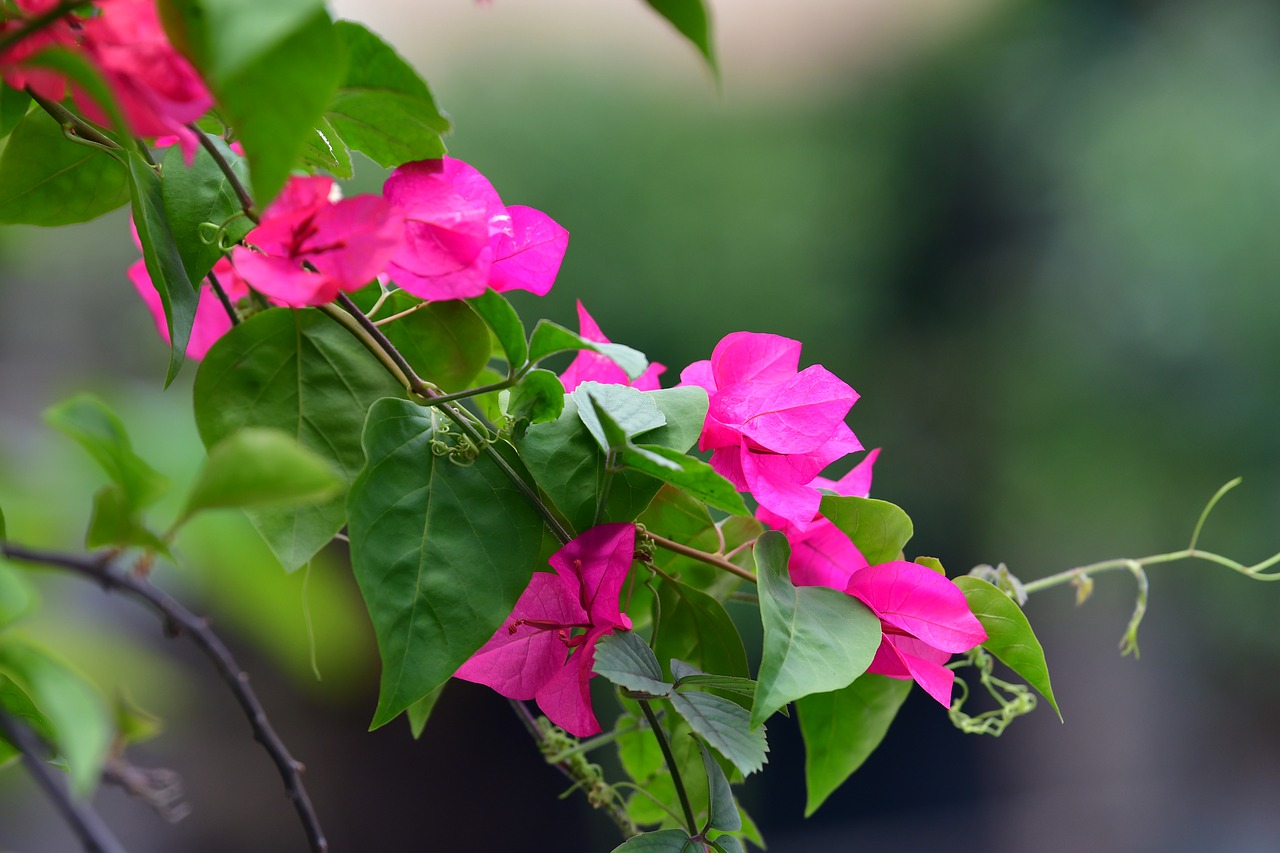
(590,366)
(538,653)
(211,320)
(459,238)
(771,427)
(19,75)
(308,249)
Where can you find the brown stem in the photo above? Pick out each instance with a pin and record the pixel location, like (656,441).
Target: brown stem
(710,559)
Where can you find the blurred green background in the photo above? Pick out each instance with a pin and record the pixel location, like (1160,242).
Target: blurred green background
(1036,237)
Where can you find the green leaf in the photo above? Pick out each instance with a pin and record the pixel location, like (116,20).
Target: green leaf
(722,811)
(539,398)
(697,629)
(300,372)
(98,430)
(683,519)
(842,728)
(550,338)
(446,343)
(382,107)
(635,412)
(693,20)
(931,563)
(879,529)
(258,466)
(728,844)
(132,724)
(4,534)
(435,577)
(273,68)
(419,712)
(14,104)
(77,722)
(815,639)
(116,523)
(689,676)
(726,725)
(164,261)
(46,179)
(326,150)
(198,194)
(1009,634)
(625,659)
(692,475)
(17,597)
(77,69)
(505,323)
(662,841)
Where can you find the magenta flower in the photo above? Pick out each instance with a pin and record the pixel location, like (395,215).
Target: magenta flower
(546,648)
(590,366)
(459,238)
(308,248)
(43,81)
(771,427)
(211,320)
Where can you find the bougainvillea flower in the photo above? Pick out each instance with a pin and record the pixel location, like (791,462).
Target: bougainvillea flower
(771,427)
(925,619)
(211,320)
(546,648)
(459,238)
(43,81)
(309,248)
(590,366)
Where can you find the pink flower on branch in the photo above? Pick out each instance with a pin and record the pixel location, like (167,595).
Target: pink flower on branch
(590,366)
(459,238)
(771,427)
(546,648)
(308,248)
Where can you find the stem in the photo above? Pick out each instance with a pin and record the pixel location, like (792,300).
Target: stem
(178,619)
(223,298)
(242,194)
(38,23)
(73,126)
(710,559)
(1255,571)
(405,313)
(94,835)
(665,746)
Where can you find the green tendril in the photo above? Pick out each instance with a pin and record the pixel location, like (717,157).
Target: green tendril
(1014,700)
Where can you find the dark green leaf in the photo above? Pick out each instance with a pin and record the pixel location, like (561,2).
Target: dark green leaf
(419,712)
(77,721)
(326,150)
(539,398)
(505,323)
(164,262)
(879,529)
(722,811)
(300,372)
(625,659)
(446,343)
(46,179)
(436,579)
(14,104)
(692,475)
(98,430)
(1009,634)
(273,68)
(815,639)
(842,728)
(198,194)
(17,598)
(693,20)
(382,107)
(726,725)
(116,523)
(696,628)
(663,841)
(259,466)
(550,338)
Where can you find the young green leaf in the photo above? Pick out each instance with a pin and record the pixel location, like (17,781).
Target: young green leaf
(879,529)
(257,466)
(635,412)
(627,661)
(435,587)
(300,372)
(98,430)
(201,194)
(46,179)
(726,725)
(1009,634)
(815,639)
(115,522)
(539,398)
(325,150)
(550,338)
(842,728)
(722,811)
(163,260)
(382,108)
(693,20)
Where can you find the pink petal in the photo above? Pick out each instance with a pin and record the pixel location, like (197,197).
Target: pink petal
(366,234)
(283,280)
(566,697)
(590,366)
(856,483)
(801,414)
(778,484)
(588,329)
(905,657)
(529,258)
(648,381)
(211,320)
(754,357)
(920,602)
(699,374)
(823,556)
(596,562)
(519,658)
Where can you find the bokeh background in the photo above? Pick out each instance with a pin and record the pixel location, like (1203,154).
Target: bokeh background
(1037,237)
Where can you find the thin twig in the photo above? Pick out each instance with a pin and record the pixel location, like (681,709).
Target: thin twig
(710,559)
(94,835)
(242,194)
(72,124)
(223,298)
(667,755)
(178,619)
